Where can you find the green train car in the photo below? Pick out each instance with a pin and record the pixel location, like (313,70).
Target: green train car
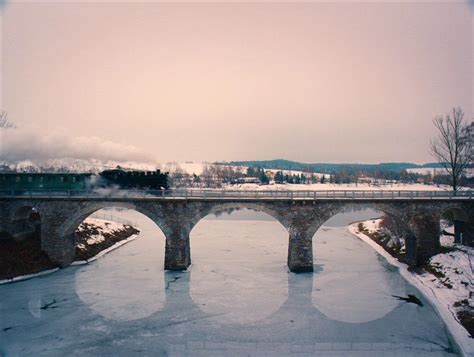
(44,181)
(117,179)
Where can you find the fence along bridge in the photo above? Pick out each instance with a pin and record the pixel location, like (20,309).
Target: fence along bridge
(176,212)
(248,194)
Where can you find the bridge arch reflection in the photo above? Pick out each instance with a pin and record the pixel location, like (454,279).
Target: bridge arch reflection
(247,267)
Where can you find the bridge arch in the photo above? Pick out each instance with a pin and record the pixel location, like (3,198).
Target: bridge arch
(219,207)
(25,219)
(23,212)
(66,230)
(402,228)
(228,207)
(326,211)
(73,222)
(458,213)
(459,218)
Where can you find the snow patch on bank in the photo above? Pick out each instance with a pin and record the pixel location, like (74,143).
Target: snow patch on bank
(103,227)
(105,251)
(375,226)
(27,276)
(456,266)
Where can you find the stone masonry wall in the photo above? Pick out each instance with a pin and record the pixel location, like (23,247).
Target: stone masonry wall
(176,218)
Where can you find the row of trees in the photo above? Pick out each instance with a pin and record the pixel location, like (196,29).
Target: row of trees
(303,178)
(211,176)
(258,173)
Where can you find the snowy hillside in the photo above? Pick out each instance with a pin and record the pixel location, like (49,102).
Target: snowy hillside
(339,187)
(435,171)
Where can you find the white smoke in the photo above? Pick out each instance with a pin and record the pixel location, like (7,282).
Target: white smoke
(54,148)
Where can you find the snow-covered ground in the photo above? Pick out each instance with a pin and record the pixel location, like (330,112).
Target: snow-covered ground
(27,276)
(449,281)
(188,167)
(337,187)
(294,172)
(457,278)
(194,167)
(101,227)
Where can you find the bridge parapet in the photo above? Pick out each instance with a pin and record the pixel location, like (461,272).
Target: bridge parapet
(212,194)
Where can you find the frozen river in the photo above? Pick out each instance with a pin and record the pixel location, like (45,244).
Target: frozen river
(237,299)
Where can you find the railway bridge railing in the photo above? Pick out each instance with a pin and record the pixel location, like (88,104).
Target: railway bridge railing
(246,194)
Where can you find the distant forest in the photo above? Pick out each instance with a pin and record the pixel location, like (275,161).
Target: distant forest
(280,164)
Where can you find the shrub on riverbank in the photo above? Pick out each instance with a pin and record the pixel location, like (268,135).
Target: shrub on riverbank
(465,315)
(394,245)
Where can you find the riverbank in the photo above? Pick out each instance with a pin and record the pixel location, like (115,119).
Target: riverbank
(21,260)
(446,281)
(96,235)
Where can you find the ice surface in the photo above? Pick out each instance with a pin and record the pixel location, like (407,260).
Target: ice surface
(248,290)
(237,299)
(356,272)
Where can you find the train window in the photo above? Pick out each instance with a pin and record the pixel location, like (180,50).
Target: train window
(30,179)
(74,179)
(61,179)
(41,178)
(17,179)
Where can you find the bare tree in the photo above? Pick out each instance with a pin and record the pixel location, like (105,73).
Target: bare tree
(452,148)
(4,122)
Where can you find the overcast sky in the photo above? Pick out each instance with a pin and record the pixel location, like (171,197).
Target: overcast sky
(313,82)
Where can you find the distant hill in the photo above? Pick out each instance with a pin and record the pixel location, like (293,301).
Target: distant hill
(281,164)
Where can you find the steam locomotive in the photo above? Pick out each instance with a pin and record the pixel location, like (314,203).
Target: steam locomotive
(152,180)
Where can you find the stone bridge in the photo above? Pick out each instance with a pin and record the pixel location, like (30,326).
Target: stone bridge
(417,217)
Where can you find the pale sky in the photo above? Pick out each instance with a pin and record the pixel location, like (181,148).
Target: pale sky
(313,82)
